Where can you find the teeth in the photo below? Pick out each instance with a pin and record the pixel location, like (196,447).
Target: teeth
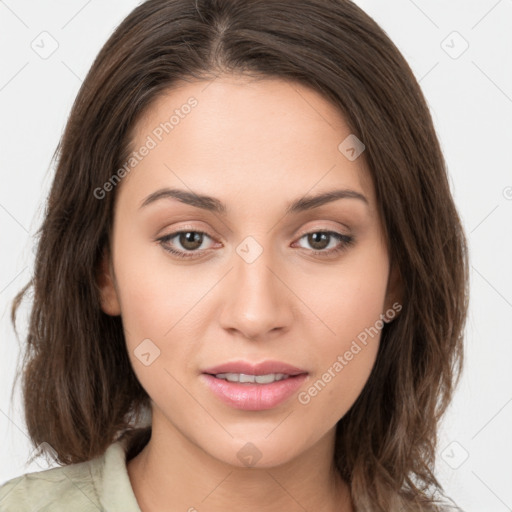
(258,379)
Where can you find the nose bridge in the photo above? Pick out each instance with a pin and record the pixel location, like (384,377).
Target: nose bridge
(257,302)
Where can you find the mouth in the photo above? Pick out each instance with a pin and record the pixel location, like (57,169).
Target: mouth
(254,387)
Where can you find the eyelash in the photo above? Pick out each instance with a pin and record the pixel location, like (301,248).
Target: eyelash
(345,240)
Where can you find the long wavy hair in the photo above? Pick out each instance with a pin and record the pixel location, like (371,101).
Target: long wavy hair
(79,389)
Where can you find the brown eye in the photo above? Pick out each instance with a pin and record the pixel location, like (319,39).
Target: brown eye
(190,240)
(318,240)
(327,243)
(184,244)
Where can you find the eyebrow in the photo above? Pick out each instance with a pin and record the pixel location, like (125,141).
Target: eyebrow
(215,205)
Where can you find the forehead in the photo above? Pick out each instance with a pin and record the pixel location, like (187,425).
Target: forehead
(244,135)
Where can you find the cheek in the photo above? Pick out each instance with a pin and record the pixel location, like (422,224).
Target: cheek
(350,309)
(344,366)
(348,298)
(154,292)
(159,304)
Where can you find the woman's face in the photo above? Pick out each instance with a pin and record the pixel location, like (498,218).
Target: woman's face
(260,282)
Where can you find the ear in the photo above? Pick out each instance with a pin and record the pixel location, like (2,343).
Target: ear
(394,294)
(109,299)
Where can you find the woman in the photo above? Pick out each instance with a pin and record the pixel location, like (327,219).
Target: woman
(251,238)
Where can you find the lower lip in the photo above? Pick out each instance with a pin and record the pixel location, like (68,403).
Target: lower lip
(254,397)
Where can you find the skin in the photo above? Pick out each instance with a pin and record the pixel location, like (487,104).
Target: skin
(256,146)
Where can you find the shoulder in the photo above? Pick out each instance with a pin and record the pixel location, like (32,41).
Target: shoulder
(53,489)
(99,484)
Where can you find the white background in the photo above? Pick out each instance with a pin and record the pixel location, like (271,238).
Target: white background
(471,102)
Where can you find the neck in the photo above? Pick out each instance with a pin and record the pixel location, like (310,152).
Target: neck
(172,469)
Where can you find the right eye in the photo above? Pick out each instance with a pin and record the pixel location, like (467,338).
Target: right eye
(189,240)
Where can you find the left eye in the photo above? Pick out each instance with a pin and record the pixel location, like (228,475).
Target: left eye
(318,239)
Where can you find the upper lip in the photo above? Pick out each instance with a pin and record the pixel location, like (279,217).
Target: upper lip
(248,368)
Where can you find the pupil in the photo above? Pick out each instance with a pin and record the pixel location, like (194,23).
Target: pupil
(191,240)
(318,240)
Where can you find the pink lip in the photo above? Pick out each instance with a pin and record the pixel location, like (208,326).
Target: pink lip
(254,397)
(262,368)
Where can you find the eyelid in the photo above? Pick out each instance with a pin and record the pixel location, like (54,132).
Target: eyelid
(316,229)
(190,228)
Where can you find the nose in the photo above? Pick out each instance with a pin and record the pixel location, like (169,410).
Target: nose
(258,304)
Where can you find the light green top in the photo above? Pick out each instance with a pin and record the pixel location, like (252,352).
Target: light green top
(101,484)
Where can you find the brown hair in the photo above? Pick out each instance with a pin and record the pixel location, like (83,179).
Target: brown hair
(80,392)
